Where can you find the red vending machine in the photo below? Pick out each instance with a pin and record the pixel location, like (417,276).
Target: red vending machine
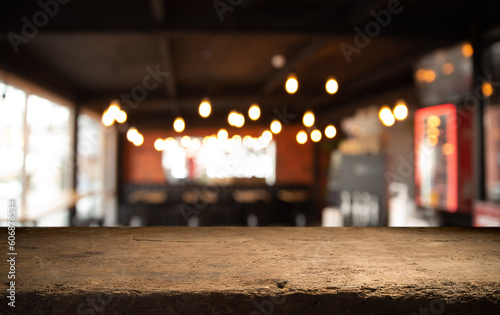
(443,159)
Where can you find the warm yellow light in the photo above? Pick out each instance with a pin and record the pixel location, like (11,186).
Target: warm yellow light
(316,135)
(487,89)
(232,118)
(301,137)
(330,131)
(332,86)
(467,50)
(185,141)
(275,126)
(131,134)
(170,143)
(246,140)
(138,140)
(401,110)
(292,85)
(205,140)
(429,76)
(236,140)
(266,136)
(420,74)
(121,117)
(239,120)
(159,144)
(179,124)
(254,112)
(222,135)
(386,116)
(114,109)
(433,121)
(205,109)
(308,119)
(212,140)
(195,144)
(448,149)
(107,119)
(432,140)
(448,68)
(432,131)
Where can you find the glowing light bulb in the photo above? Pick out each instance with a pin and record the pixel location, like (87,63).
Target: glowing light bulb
(292,85)
(266,136)
(185,141)
(205,109)
(240,120)
(195,144)
(448,68)
(401,110)
(132,133)
(308,119)
(121,117)
(222,135)
(332,86)
(276,127)
(159,145)
(114,108)
(301,137)
(467,50)
(254,112)
(487,89)
(316,135)
(433,121)
(386,116)
(107,119)
(232,118)
(330,131)
(138,140)
(179,124)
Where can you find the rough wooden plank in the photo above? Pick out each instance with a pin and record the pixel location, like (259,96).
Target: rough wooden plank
(256,270)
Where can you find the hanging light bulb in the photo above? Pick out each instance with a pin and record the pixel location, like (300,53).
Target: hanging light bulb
(205,108)
(316,135)
(301,137)
(401,110)
(239,120)
(138,140)
(232,118)
(254,112)
(131,134)
(159,144)
(292,85)
(332,86)
(121,117)
(308,119)
(107,118)
(276,127)
(330,131)
(386,116)
(222,134)
(179,124)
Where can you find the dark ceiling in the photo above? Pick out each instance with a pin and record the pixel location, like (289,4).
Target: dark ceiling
(93,51)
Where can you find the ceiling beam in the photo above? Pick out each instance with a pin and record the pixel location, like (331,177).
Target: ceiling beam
(167,63)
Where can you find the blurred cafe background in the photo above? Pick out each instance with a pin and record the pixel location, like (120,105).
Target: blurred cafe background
(250,113)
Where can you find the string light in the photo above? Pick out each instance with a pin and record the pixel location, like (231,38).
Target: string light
(292,85)
(205,108)
(330,131)
(179,124)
